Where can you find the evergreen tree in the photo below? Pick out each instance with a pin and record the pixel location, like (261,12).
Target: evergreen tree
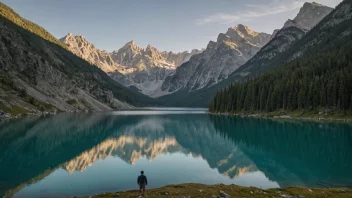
(324,81)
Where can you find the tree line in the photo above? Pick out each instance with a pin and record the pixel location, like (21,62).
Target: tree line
(322,82)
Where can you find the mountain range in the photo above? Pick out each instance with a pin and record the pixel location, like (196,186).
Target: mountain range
(312,75)
(131,65)
(39,73)
(218,61)
(157,74)
(267,58)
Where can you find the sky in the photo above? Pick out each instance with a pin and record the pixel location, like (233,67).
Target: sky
(170,25)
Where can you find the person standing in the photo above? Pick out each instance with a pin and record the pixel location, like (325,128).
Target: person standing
(142,182)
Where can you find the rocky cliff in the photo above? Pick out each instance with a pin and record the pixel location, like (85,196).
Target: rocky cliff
(217,61)
(293,30)
(311,14)
(87,51)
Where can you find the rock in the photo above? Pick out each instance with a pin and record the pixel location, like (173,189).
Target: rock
(214,196)
(223,194)
(231,50)
(287,196)
(301,196)
(310,190)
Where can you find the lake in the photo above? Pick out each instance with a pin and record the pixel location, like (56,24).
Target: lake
(89,153)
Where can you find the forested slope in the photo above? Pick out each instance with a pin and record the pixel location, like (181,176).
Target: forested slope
(333,31)
(322,82)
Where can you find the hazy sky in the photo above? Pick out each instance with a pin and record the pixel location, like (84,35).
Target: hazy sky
(175,25)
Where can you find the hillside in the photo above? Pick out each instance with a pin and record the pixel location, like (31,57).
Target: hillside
(322,84)
(231,50)
(327,34)
(38,73)
(316,78)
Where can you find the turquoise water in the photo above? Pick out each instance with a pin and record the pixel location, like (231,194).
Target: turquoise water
(86,154)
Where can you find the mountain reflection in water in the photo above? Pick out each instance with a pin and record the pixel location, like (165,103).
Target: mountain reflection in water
(286,152)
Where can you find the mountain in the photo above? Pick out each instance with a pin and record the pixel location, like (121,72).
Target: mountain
(179,58)
(311,14)
(38,73)
(148,67)
(293,30)
(132,66)
(87,51)
(315,74)
(82,48)
(269,56)
(217,61)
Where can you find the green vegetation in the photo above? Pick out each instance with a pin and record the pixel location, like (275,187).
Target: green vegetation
(200,190)
(320,84)
(7,84)
(14,110)
(71,102)
(27,25)
(321,39)
(34,41)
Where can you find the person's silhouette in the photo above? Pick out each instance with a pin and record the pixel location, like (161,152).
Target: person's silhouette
(142,182)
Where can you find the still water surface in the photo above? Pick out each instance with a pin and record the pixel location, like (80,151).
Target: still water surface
(86,154)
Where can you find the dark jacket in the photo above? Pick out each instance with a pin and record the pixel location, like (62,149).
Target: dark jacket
(142,179)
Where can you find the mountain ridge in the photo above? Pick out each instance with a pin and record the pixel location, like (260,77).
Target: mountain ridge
(266,59)
(217,61)
(150,66)
(39,74)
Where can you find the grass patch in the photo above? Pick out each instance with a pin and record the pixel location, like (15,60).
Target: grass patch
(42,106)
(200,190)
(71,102)
(15,110)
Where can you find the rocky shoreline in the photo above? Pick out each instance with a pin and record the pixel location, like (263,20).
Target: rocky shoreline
(227,191)
(268,116)
(8,116)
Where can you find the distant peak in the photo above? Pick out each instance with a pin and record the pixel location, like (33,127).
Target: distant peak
(243,30)
(241,26)
(312,4)
(149,46)
(131,43)
(311,13)
(81,37)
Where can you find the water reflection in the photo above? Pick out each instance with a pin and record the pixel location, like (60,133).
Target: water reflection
(288,153)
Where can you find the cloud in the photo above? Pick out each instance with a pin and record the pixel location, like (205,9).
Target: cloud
(252,11)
